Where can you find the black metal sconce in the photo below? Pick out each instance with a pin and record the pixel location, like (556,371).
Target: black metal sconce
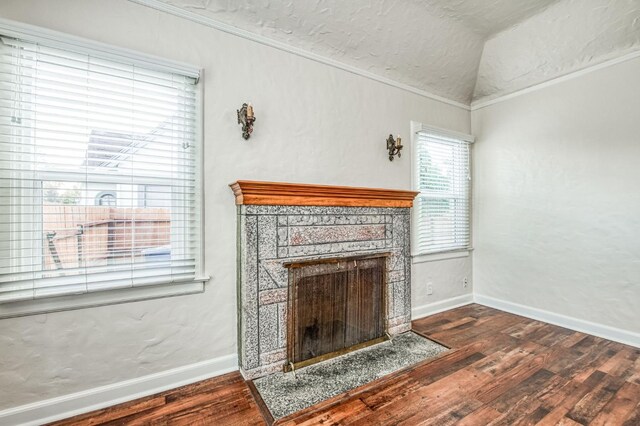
(394,146)
(246,118)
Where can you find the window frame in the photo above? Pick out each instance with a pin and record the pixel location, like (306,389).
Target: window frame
(130,294)
(417,256)
(100,195)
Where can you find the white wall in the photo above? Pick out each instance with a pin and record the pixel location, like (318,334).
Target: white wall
(557,202)
(315,124)
(446,278)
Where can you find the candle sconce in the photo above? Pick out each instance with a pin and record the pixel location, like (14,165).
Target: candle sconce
(246,118)
(394,146)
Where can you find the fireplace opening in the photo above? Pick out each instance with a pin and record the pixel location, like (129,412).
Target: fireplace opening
(335,306)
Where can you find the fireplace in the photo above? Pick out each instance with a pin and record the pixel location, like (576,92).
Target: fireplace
(321,270)
(335,306)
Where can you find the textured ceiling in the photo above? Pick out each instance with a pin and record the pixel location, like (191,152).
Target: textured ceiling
(564,38)
(485,17)
(437,45)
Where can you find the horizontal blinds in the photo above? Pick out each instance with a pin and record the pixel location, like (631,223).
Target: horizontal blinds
(99,186)
(442,206)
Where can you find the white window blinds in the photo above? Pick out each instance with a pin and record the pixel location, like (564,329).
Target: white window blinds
(99,183)
(442,207)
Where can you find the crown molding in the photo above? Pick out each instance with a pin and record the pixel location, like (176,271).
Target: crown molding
(248,35)
(476,105)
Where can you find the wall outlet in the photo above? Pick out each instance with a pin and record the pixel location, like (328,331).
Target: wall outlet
(465,282)
(429,288)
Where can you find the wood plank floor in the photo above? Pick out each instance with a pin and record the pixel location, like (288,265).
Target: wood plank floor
(502,370)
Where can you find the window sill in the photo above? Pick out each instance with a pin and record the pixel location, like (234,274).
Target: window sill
(433,257)
(100,298)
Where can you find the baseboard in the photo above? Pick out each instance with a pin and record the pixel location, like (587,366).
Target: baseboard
(70,405)
(441,306)
(611,333)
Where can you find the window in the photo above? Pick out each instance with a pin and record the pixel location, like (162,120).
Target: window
(442,177)
(99,178)
(106,199)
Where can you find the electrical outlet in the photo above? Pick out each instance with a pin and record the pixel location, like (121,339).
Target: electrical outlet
(429,288)
(465,282)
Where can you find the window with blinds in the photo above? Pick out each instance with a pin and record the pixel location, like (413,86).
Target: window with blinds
(442,177)
(99,181)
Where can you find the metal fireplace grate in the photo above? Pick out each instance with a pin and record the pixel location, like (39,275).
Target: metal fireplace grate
(335,306)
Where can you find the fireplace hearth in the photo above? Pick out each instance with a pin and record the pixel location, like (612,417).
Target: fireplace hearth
(291,238)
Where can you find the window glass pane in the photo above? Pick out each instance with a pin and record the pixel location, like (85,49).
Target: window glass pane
(442,207)
(119,230)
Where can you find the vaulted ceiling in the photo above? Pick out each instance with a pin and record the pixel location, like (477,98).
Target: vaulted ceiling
(463,50)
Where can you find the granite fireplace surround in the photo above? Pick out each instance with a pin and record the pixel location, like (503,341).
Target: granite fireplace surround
(280,223)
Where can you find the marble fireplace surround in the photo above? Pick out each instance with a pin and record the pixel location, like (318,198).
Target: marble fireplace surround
(280,223)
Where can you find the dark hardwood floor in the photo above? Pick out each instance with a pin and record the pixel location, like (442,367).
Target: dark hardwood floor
(502,369)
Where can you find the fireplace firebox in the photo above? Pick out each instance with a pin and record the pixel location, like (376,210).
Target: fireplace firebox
(335,306)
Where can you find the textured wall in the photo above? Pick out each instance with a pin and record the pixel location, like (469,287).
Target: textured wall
(315,124)
(445,277)
(557,206)
(565,37)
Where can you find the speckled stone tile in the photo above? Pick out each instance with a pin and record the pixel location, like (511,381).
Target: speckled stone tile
(266,281)
(268,297)
(398,289)
(249,294)
(396,260)
(323,210)
(282,330)
(394,322)
(279,274)
(277,356)
(267,240)
(268,328)
(283,236)
(284,393)
(388,233)
(399,329)
(351,246)
(397,275)
(351,219)
(249,330)
(263,370)
(283,252)
(398,231)
(306,235)
(407,287)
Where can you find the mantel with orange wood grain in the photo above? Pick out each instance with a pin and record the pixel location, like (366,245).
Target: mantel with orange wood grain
(298,194)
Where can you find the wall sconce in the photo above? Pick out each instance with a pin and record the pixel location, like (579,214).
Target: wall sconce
(394,146)
(246,118)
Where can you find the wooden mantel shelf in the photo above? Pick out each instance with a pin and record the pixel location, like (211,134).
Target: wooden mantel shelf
(298,194)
